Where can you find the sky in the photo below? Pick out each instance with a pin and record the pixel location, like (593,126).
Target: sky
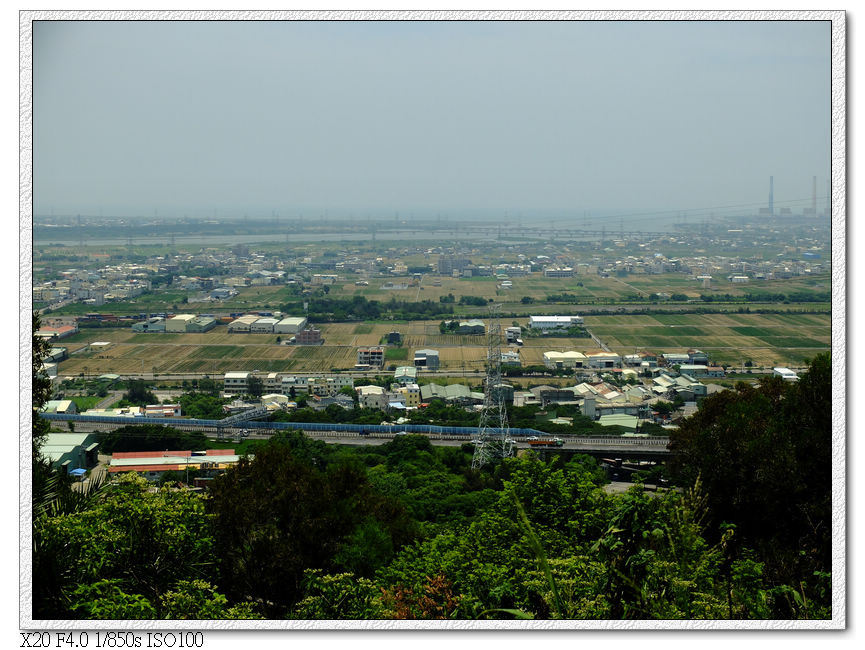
(458,119)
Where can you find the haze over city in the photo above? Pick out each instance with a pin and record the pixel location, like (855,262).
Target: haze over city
(461,119)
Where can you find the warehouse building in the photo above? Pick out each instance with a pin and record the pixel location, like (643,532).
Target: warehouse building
(153,464)
(155,324)
(263,325)
(71,451)
(290,325)
(179,323)
(426,359)
(546,323)
(201,324)
(473,326)
(242,324)
(785,373)
(564,360)
(603,360)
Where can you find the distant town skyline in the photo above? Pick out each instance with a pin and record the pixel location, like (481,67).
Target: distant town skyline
(546,118)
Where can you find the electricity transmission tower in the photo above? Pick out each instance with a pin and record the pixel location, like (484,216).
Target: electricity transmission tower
(494,442)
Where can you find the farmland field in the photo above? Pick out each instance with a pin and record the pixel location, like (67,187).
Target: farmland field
(728,338)
(764,339)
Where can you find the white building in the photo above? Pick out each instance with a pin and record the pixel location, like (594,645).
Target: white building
(603,360)
(546,323)
(785,373)
(236,382)
(290,325)
(559,360)
(263,325)
(242,324)
(179,323)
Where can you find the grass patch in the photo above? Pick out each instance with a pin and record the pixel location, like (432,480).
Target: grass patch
(396,354)
(84,402)
(363,329)
(793,342)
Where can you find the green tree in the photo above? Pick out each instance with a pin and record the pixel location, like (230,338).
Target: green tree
(278,515)
(255,386)
(764,457)
(144,541)
(41,385)
(138,393)
(151,437)
(343,596)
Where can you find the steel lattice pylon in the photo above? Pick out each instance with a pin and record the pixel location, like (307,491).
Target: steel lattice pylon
(494,441)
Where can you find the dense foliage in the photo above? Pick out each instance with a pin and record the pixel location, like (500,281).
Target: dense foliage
(150,437)
(764,456)
(324,309)
(409,530)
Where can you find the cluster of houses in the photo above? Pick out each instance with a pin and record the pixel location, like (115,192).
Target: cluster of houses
(607,393)
(78,453)
(693,363)
(68,407)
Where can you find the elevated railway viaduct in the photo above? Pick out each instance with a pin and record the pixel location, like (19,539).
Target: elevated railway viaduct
(654,448)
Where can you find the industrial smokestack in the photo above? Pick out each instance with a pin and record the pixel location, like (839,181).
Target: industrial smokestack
(772,196)
(828,199)
(814,197)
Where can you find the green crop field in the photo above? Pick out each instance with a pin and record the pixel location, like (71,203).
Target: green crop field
(765,339)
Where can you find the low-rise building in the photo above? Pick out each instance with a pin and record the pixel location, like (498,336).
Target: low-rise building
(405,375)
(51,333)
(547,323)
(603,359)
(263,325)
(472,326)
(785,373)
(426,359)
(163,411)
(564,360)
(699,370)
(371,356)
(290,325)
(559,272)
(411,393)
(155,324)
(242,324)
(64,406)
(236,382)
(153,464)
(71,451)
(676,358)
(179,323)
(201,324)
(308,336)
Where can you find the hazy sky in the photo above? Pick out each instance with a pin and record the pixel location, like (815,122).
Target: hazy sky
(456,118)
